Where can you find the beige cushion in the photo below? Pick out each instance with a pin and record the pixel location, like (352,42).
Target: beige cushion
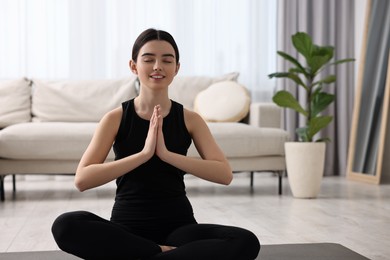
(242,140)
(225,101)
(68,141)
(79,101)
(184,89)
(46,140)
(15,102)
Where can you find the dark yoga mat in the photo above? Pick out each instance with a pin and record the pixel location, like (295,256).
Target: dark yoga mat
(317,251)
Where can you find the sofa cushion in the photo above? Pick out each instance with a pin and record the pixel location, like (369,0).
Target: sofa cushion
(225,101)
(46,140)
(242,140)
(184,89)
(79,101)
(15,102)
(68,141)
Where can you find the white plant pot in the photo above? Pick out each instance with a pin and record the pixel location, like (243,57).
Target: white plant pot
(305,167)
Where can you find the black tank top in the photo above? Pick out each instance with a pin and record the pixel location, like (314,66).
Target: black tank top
(151,199)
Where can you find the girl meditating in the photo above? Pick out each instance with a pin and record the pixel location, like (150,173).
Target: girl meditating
(152,217)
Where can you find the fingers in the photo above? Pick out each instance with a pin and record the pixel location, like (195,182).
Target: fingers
(161,149)
(155,140)
(151,139)
(159,117)
(154,118)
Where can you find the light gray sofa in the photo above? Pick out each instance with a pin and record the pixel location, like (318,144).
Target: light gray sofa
(46,125)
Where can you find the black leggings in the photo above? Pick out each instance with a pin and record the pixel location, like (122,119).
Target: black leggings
(89,236)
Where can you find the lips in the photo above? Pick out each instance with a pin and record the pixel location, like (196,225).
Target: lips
(157,76)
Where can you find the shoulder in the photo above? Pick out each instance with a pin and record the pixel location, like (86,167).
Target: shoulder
(110,122)
(193,120)
(113,116)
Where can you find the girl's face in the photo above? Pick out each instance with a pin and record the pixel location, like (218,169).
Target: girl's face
(156,64)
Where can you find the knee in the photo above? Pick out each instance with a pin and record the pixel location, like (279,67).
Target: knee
(255,245)
(250,244)
(63,227)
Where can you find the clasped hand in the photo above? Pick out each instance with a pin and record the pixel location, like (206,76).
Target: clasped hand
(154,143)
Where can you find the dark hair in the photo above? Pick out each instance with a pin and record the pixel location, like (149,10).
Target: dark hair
(150,35)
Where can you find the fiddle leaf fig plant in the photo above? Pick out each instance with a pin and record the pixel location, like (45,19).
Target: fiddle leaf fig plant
(306,76)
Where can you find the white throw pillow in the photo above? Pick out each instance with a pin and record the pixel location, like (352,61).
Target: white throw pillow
(225,101)
(15,102)
(184,89)
(79,100)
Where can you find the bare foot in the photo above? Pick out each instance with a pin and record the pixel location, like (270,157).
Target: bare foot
(166,248)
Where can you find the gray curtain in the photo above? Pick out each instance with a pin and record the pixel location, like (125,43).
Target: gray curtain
(329,22)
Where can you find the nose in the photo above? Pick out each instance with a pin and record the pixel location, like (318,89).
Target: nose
(157,66)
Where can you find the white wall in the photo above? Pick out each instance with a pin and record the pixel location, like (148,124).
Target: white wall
(360,19)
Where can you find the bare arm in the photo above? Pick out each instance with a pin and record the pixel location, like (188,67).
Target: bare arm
(92,171)
(213,165)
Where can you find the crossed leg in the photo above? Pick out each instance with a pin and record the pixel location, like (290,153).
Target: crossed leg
(210,242)
(89,236)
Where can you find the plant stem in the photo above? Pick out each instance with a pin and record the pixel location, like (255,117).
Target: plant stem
(309,102)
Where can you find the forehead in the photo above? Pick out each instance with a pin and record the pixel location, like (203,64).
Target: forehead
(157,47)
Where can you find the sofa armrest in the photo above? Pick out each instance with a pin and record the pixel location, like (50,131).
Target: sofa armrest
(265,115)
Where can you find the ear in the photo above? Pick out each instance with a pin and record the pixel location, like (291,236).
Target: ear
(133,67)
(177,68)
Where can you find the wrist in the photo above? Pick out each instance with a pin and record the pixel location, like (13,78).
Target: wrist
(146,155)
(164,156)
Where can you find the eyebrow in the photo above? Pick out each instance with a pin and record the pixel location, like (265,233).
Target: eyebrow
(152,54)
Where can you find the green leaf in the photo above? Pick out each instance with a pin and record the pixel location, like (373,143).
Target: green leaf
(321,101)
(318,123)
(303,43)
(341,61)
(336,63)
(297,79)
(324,139)
(329,79)
(302,133)
(285,99)
(289,75)
(316,91)
(296,70)
(320,57)
(293,61)
(278,75)
(325,51)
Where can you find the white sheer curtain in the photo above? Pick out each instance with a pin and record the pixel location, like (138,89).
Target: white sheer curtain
(91,39)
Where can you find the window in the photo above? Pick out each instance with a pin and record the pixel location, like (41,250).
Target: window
(92,39)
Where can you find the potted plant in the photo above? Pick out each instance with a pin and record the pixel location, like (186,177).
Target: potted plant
(305,158)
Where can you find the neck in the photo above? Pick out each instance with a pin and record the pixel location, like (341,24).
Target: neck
(145,103)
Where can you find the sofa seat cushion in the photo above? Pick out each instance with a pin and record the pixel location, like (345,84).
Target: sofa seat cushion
(46,140)
(68,141)
(241,140)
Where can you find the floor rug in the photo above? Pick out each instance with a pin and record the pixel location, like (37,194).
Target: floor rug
(316,251)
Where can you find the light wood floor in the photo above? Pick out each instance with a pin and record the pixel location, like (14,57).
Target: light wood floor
(353,214)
